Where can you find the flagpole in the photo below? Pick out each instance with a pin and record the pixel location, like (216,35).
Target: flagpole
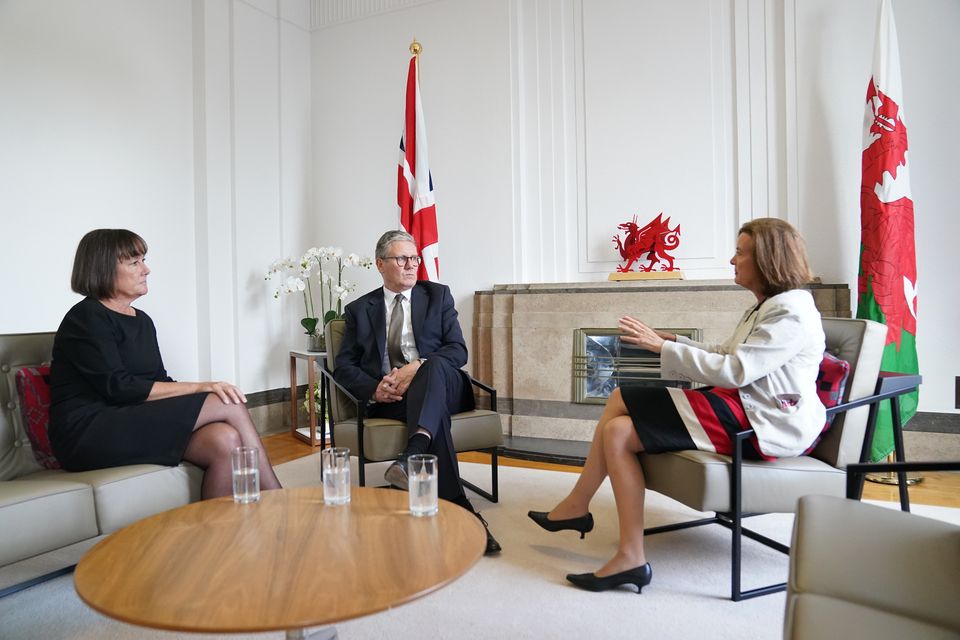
(415,197)
(415,49)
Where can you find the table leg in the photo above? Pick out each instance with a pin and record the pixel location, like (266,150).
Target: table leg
(323,633)
(293,395)
(311,391)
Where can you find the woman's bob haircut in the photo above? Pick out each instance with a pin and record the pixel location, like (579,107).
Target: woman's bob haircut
(779,253)
(98,254)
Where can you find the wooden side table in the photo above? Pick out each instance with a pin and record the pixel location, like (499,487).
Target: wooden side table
(311,437)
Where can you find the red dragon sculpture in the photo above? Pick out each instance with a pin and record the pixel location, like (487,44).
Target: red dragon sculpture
(652,243)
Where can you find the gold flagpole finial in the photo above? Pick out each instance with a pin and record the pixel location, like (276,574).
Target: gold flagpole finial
(415,47)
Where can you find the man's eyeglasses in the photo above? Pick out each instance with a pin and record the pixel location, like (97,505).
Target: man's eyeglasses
(402,261)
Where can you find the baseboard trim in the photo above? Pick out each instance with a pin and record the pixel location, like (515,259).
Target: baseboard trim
(930,422)
(273,396)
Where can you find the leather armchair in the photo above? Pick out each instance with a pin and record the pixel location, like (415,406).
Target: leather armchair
(379,439)
(862,571)
(734,488)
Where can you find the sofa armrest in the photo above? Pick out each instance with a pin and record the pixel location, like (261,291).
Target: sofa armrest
(874,558)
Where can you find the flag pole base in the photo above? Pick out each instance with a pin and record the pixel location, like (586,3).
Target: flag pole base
(889,477)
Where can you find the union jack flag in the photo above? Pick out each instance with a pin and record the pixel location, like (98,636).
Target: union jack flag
(418,210)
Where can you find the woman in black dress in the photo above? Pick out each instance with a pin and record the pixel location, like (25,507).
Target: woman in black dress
(112,402)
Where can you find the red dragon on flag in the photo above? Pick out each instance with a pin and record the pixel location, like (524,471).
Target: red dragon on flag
(888,263)
(887,283)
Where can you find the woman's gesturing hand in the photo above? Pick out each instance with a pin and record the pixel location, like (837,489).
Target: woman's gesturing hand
(638,333)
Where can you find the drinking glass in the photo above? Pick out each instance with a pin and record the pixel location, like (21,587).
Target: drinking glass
(422,473)
(335,472)
(245,463)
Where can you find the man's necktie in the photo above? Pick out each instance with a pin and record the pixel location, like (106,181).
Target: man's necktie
(393,334)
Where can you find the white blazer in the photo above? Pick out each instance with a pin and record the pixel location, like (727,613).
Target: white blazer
(772,358)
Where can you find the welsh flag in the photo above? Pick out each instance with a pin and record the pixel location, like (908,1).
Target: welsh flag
(887,284)
(418,210)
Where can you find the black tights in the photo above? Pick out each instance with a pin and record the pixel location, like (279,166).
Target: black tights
(219,430)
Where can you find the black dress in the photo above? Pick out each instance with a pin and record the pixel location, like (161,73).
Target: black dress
(104,365)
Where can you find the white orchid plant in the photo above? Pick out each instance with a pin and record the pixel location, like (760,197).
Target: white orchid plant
(296,276)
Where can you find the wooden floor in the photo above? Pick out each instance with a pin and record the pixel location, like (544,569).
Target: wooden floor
(940,489)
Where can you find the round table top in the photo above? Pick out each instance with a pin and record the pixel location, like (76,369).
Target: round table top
(286,562)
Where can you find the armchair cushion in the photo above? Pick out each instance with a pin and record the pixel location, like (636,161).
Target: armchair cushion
(383,438)
(33,390)
(831,382)
(701,480)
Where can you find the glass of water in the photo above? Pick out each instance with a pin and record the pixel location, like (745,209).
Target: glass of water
(245,463)
(422,472)
(335,472)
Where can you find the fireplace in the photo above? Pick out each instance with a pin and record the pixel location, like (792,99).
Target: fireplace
(602,362)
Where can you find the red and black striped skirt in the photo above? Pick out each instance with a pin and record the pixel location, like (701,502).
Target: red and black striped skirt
(669,419)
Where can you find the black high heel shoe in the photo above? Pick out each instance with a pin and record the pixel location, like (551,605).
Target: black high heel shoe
(638,576)
(583,524)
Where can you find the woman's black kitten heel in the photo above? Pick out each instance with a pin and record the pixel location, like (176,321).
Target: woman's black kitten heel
(583,524)
(638,576)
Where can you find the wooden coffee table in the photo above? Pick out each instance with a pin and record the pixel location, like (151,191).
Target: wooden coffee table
(288,562)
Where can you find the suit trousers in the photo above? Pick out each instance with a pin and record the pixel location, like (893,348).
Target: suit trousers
(435,393)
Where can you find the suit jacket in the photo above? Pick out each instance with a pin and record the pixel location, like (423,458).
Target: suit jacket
(772,358)
(436,331)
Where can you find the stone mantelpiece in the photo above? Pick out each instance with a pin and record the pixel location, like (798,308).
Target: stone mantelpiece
(523,338)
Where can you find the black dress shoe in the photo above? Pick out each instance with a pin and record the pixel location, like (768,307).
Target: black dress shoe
(583,524)
(638,576)
(396,474)
(492,545)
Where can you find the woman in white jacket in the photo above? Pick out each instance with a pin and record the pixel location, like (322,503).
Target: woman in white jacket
(763,377)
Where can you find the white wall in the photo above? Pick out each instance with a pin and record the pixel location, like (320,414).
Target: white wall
(229,134)
(187,122)
(96,105)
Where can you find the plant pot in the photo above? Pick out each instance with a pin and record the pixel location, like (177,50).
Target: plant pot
(317,342)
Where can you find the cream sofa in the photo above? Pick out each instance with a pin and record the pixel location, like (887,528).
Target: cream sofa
(49,518)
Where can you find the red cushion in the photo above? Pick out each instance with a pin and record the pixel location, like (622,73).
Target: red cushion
(831,382)
(33,387)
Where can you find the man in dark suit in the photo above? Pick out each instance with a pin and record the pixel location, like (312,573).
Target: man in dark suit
(402,351)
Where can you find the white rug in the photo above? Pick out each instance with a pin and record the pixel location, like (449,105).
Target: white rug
(522,592)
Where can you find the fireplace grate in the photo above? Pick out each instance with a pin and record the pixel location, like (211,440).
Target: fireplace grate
(601,363)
